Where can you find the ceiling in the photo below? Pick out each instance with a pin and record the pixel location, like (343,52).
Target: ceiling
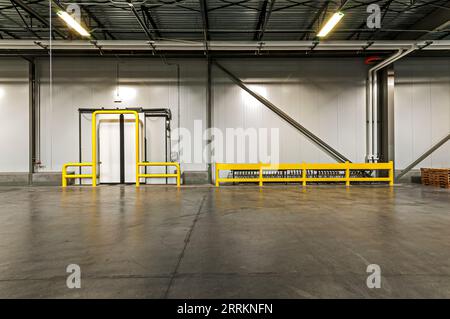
(226,20)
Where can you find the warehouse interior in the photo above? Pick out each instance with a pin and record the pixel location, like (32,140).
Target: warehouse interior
(225,148)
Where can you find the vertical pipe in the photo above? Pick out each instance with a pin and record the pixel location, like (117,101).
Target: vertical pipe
(94,150)
(369,119)
(32,119)
(137,146)
(209,117)
(165,147)
(79,146)
(375,117)
(145,145)
(122,148)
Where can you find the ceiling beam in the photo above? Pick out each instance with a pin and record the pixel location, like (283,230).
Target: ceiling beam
(10,34)
(24,6)
(24,22)
(263,19)
(205,20)
(139,20)
(322,11)
(152,21)
(98,22)
(431,22)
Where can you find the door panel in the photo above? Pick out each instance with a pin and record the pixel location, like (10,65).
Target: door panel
(109,148)
(156,141)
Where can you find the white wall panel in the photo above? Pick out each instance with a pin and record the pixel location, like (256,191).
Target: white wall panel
(326,96)
(422,110)
(91,83)
(14,107)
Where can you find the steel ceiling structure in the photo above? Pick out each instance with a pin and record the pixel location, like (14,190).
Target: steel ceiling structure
(227,20)
(203,25)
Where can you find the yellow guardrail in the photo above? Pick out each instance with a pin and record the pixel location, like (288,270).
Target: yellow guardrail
(161,175)
(304,167)
(66,176)
(94,148)
(94,140)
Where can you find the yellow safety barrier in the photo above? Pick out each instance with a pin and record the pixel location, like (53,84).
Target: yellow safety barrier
(94,148)
(304,167)
(66,176)
(161,175)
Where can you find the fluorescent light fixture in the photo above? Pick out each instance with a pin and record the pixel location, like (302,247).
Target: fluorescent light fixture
(72,23)
(330,24)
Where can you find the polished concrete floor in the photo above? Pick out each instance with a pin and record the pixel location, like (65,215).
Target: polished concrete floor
(231,242)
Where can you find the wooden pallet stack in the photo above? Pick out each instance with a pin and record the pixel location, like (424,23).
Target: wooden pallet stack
(439,177)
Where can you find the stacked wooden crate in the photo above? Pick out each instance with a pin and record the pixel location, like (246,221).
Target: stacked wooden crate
(439,177)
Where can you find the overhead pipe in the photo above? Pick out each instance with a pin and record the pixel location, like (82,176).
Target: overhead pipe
(272,46)
(372,100)
(370,88)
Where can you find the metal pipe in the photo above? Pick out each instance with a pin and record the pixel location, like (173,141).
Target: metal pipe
(372,139)
(370,93)
(32,118)
(164,45)
(423,156)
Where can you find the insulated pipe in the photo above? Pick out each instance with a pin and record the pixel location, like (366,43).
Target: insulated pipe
(373,101)
(370,101)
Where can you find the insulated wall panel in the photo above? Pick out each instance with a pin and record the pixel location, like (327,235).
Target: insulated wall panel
(422,110)
(93,82)
(327,96)
(14,121)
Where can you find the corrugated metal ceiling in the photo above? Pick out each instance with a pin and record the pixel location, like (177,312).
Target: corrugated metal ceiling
(234,20)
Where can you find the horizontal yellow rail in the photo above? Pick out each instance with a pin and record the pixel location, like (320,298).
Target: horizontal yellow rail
(160,175)
(66,176)
(304,167)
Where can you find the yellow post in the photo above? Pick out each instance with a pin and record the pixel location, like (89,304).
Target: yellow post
(217,175)
(391,173)
(304,174)
(64,181)
(136,130)
(178,174)
(260,175)
(94,149)
(347,173)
